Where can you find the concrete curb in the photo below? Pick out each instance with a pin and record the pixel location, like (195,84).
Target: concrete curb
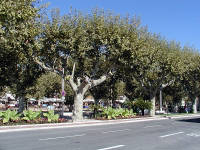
(184,116)
(85,123)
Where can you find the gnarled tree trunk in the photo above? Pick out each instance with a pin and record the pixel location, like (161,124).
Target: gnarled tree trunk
(80,88)
(78,107)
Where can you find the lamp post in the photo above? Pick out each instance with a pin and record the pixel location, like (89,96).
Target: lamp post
(63,91)
(161,99)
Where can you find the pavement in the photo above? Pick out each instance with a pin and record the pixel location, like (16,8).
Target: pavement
(88,122)
(155,133)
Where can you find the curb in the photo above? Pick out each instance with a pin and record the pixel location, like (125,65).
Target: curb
(73,125)
(85,123)
(184,116)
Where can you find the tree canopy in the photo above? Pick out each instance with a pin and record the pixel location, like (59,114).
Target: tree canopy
(86,50)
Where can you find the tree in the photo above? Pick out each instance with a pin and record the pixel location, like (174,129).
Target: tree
(190,75)
(17,31)
(88,45)
(152,65)
(142,105)
(48,85)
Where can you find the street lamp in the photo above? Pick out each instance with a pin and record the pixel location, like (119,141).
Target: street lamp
(63,91)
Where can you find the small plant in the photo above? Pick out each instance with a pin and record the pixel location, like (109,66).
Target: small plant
(30,115)
(142,105)
(127,113)
(51,116)
(110,113)
(9,115)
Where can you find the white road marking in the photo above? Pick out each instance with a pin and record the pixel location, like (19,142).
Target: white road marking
(113,147)
(163,136)
(62,137)
(194,134)
(152,126)
(115,131)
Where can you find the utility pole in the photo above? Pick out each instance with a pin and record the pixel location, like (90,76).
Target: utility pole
(161,99)
(63,91)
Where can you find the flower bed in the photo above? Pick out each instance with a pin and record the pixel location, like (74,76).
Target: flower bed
(10,117)
(38,121)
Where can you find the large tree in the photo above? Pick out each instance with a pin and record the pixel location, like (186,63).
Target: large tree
(190,75)
(88,47)
(48,85)
(152,65)
(17,31)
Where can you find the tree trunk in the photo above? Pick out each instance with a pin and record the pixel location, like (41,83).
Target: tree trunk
(195,104)
(142,112)
(78,107)
(21,104)
(153,101)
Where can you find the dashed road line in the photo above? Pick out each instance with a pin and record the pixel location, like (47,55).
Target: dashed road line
(167,135)
(63,137)
(113,131)
(113,147)
(152,126)
(194,134)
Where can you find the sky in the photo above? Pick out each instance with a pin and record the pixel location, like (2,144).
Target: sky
(177,20)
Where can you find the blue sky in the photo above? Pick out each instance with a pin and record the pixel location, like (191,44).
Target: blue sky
(174,19)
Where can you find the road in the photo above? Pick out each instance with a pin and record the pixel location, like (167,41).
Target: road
(170,134)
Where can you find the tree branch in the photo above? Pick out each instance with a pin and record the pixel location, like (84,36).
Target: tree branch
(99,81)
(78,81)
(142,84)
(73,70)
(45,67)
(87,86)
(165,85)
(71,80)
(73,84)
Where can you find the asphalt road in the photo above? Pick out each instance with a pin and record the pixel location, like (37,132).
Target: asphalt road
(150,135)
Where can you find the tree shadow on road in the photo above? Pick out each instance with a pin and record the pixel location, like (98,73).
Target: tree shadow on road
(192,120)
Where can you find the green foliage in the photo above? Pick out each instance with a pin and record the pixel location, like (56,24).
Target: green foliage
(49,84)
(127,113)
(120,88)
(51,116)
(9,115)
(111,113)
(30,115)
(142,104)
(96,42)
(18,31)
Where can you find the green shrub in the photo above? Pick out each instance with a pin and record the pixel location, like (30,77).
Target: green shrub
(30,115)
(128,113)
(51,116)
(142,105)
(96,109)
(111,113)
(9,115)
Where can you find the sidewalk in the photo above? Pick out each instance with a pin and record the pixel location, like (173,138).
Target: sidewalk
(87,122)
(176,115)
